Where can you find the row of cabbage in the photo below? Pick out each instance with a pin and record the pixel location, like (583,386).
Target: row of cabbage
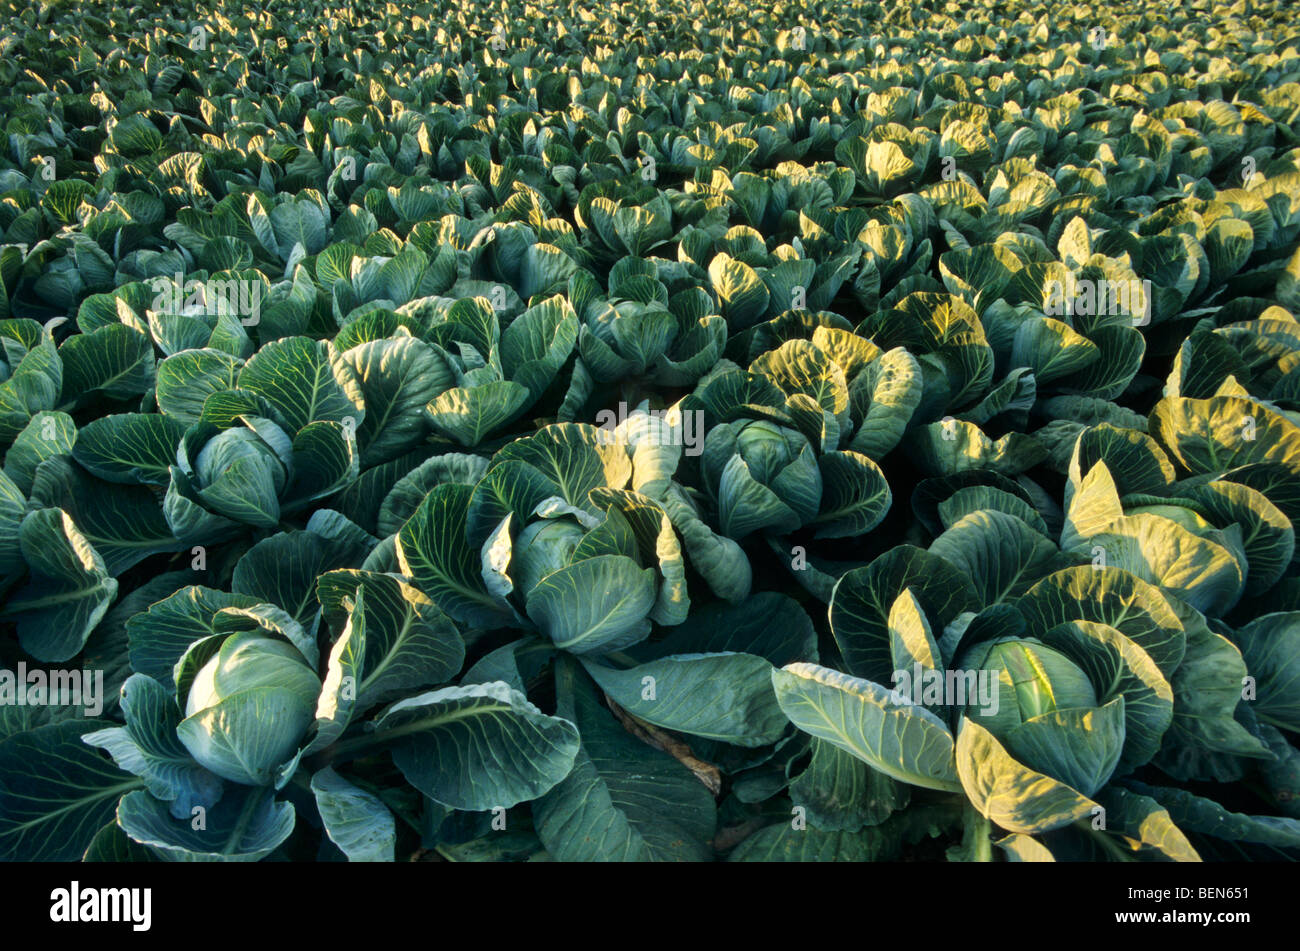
(600,440)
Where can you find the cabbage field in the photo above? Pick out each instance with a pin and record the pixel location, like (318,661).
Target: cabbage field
(511,431)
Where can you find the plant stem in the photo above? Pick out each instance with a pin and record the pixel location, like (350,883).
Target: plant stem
(979,835)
